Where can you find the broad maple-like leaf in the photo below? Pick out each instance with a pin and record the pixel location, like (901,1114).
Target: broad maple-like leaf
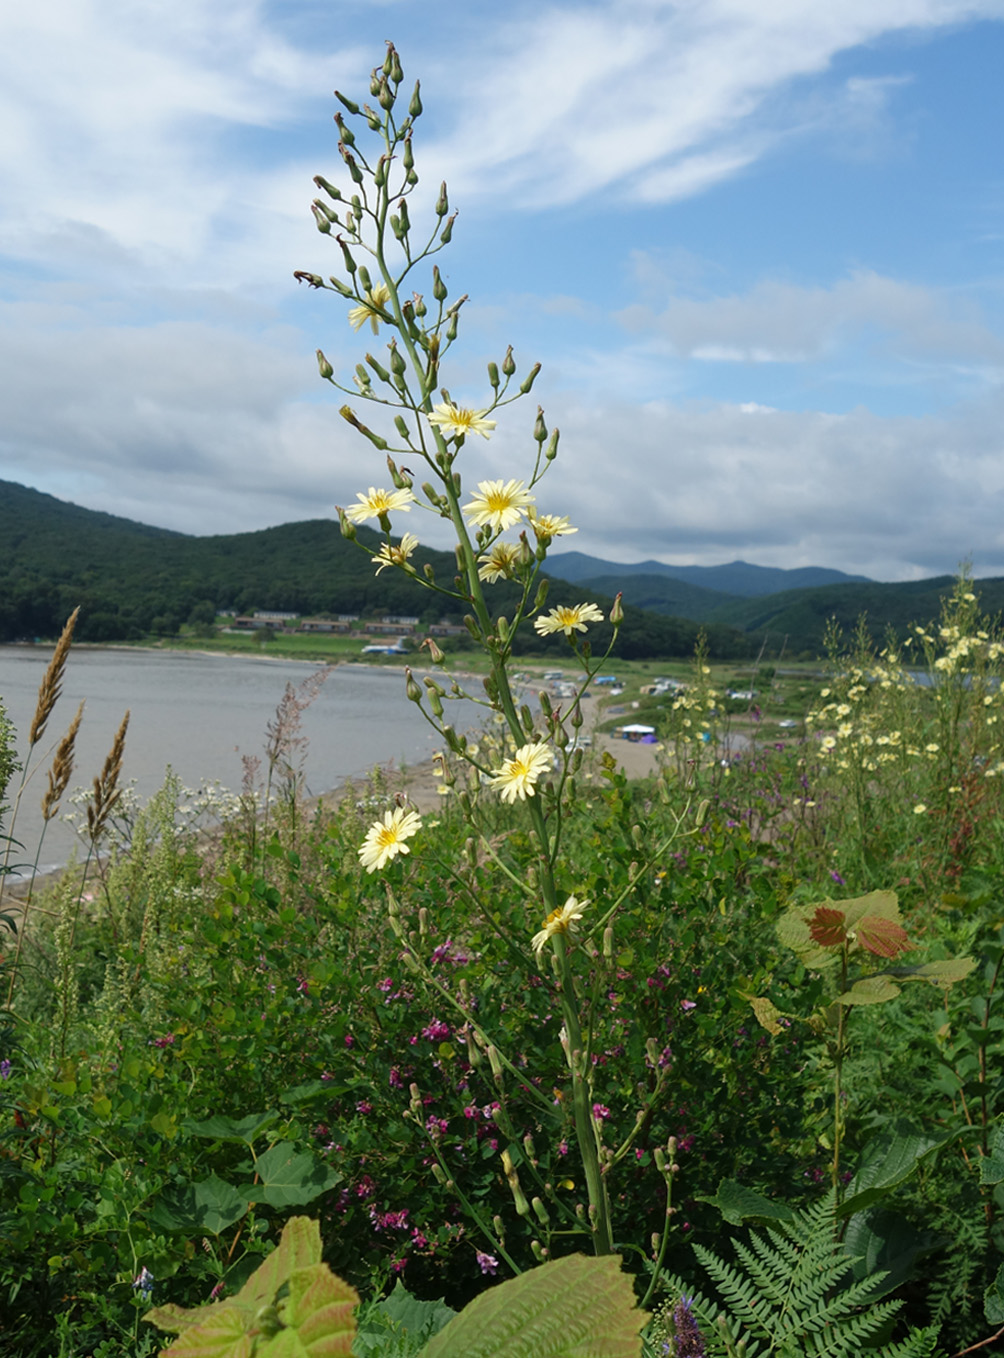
(883,937)
(828,927)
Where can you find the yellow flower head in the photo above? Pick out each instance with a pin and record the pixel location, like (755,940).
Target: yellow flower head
(389,555)
(517,776)
(377,502)
(567,618)
(498,504)
(451,419)
(500,561)
(385,839)
(549,525)
(562,921)
(376,299)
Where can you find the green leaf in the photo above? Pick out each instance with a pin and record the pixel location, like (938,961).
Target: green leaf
(993,1300)
(766,1014)
(317,1314)
(290,1178)
(738,1204)
(889,1161)
(869,990)
(992,1164)
(209,1206)
(568,1308)
(246,1130)
(313,1319)
(408,1315)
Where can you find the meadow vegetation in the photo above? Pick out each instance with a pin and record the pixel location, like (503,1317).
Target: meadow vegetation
(704,1064)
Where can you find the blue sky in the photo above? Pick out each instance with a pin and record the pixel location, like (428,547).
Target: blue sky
(758,246)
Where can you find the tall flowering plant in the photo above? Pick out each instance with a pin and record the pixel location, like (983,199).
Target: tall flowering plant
(529,758)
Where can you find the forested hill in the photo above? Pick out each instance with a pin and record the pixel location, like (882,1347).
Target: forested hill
(131,580)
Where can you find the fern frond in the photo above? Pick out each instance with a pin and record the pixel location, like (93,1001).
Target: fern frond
(790,1295)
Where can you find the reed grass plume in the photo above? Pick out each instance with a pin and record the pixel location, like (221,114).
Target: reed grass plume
(61,768)
(51,685)
(106,789)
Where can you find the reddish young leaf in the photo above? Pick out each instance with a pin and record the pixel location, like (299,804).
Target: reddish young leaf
(882,937)
(828,927)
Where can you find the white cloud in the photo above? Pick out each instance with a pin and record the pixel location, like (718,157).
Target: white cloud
(659,98)
(778,321)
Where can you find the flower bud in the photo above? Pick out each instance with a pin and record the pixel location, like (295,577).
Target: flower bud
(541,1213)
(502,628)
(411,688)
(423,922)
(608,943)
(493,375)
(435,654)
(378,368)
(498,1225)
(385,96)
(347,526)
(346,103)
(541,598)
(325,368)
(545,703)
(508,363)
(355,173)
(415,106)
(443,202)
(321,221)
(496,1064)
(472,626)
(617,612)
(365,282)
(526,718)
(438,1173)
(350,263)
(438,286)
(396,74)
(329,189)
(540,428)
(388,61)
(397,363)
(529,380)
(345,133)
(551,451)
(340,287)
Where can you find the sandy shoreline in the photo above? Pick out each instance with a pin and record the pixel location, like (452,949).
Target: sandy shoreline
(419,783)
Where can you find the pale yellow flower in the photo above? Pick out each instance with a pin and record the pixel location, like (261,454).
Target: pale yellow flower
(389,555)
(549,525)
(451,419)
(385,839)
(500,561)
(369,310)
(561,921)
(498,504)
(517,776)
(567,618)
(377,502)
(919,809)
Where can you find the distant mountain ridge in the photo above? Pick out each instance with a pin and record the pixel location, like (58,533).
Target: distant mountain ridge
(737,578)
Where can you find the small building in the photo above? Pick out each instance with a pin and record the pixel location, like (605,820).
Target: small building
(324,625)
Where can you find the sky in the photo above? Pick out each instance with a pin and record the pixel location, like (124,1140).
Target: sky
(757,246)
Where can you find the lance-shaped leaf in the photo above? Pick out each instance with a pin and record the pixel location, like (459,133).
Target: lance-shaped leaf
(992,1165)
(569,1308)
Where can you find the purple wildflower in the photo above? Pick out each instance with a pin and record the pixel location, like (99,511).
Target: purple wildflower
(487,1263)
(837,877)
(689,1340)
(5,1069)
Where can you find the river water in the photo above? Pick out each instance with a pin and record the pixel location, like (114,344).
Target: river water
(200,714)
